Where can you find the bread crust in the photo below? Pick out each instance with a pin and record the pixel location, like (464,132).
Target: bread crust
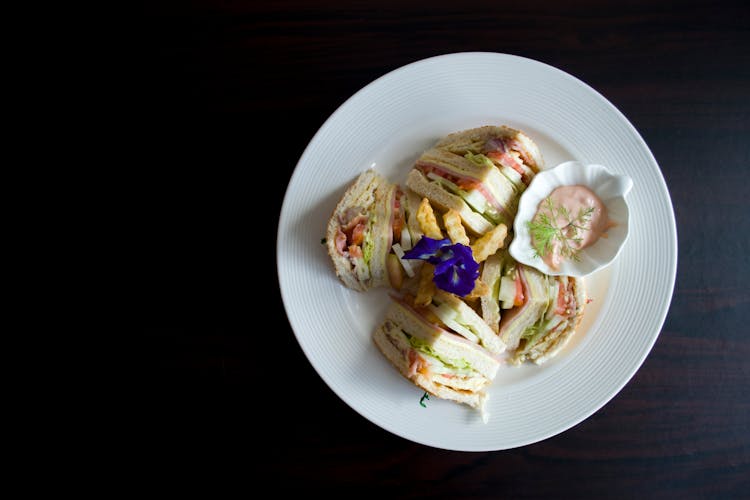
(474,139)
(489,303)
(383,230)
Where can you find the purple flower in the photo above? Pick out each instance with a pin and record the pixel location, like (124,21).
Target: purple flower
(455,267)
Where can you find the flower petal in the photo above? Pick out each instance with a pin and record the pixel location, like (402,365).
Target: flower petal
(455,281)
(455,267)
(444,266)
(463,251)
(426,248)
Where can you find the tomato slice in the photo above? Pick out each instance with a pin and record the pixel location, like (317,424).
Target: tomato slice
(358,234)
(398,226)
(465,183)
(415,363)
(468,184)
(506,160)
(519,298)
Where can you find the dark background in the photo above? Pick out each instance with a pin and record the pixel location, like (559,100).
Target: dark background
(228,94)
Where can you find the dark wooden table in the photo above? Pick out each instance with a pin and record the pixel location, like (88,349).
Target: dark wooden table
(229,95)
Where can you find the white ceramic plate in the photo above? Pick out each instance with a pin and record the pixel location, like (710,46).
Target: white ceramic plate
(386,125)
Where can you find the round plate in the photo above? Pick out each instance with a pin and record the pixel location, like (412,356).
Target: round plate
(387,125)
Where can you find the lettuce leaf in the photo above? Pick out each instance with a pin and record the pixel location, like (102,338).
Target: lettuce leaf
(368,244)
(479,159)
(420,345)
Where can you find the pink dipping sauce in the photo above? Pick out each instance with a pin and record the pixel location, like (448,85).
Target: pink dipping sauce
(574,199)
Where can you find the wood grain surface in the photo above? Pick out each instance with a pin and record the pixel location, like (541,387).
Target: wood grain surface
(229,93)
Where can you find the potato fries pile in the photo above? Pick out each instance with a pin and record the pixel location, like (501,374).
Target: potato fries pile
(482,248)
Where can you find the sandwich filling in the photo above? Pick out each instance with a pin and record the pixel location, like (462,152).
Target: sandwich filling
(516,179)
(454,315)
(477,194)
(510,156)
(453,372)
(354,239)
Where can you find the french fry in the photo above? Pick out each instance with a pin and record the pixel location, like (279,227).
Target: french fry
(455,228)
(427,221)
(489,243)
(473,302)
(426,286)
(430,316)
(480,289)
(395,271)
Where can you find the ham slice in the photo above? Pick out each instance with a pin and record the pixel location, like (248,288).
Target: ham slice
(340,242)
(466,183)
(521,151)
(351,234)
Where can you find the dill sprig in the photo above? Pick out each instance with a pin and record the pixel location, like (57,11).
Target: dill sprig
(544,229)
(421,401)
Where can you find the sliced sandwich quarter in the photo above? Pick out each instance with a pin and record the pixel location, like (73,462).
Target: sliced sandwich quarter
(434,359)
(553,331)
(372,218)
(512,151)
(546,312)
